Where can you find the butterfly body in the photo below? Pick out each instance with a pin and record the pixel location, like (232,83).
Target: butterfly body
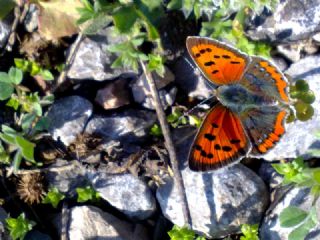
(249,118)
(238,99)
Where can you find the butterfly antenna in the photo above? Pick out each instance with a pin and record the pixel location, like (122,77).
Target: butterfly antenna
(195,107)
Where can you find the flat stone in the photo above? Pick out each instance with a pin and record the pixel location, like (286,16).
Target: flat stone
(219,201)
(67,118)
(293,20)
(88,222)
(129,125)
(125,192)
(66,176)
(93,60)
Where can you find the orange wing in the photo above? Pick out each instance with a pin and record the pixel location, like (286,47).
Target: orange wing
(220,63)
(220,141)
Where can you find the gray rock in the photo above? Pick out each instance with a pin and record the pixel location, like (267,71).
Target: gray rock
(93,60)
(125,192)
(300,136)
(88,222)
(130,125)
(5,26)
(3,231)
(219,201)
(299,197)
(113,95)
(67,118)
(66,176)
(292,20)
(190,79)
(141,91)
(269,175)
(31,19)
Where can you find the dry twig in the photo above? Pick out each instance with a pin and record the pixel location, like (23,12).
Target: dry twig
(168,143)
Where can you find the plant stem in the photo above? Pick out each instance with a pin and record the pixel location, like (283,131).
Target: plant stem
(169,144)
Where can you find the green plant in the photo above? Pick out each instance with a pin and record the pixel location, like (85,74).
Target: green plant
(302,221)
(250,232)
(300,175)
(33,68)
(303,97)
(183,233)
(87,194)
(19,227)
(28,116)
(53,197)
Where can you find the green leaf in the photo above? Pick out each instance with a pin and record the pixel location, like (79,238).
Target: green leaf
(181,233)
(27,120)
(34,69)
(22,64)
(8,130)
(125,18)
(86,194)
(6,90)
(6,7)
(302,231)
(291,216)
(250,232)
(26,147)
(16,75)
(53,197)
(42,124)
(7,138)
(175,4)
(4,77)
(17,161)
(19,227)
(98,23)
(13,102)
(156,130)
(46,75)
(156,64)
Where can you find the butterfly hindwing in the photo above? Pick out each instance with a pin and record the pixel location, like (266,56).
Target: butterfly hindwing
(220,141)
(220,63)
(264,78)
(264,126)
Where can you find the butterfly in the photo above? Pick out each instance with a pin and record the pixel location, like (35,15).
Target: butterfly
(249,118)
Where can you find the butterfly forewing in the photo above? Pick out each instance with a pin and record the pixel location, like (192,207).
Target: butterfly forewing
(220,141)
(264,127)
(264,78)
(220,63)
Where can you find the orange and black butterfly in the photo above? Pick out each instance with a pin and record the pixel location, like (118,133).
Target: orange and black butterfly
(250,115)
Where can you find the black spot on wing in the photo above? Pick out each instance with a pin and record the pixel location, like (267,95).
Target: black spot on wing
(217,147)
(226,56)
(214,71)
(235,141)
(214,125)
(209,136)
(226,148)
(208,64)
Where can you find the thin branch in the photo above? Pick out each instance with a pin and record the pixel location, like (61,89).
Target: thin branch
(70,58)
(169,144)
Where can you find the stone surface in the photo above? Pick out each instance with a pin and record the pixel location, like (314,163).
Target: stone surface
(300,136)
(31,19)
(189,78)
(129,125)
(113,95)
(66,176)
(3,231)
(141,91)
(88,222)
(93,60)
(300,197)
(292,20)
(125,192)
(219,201)
(67,118)
(5,26)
